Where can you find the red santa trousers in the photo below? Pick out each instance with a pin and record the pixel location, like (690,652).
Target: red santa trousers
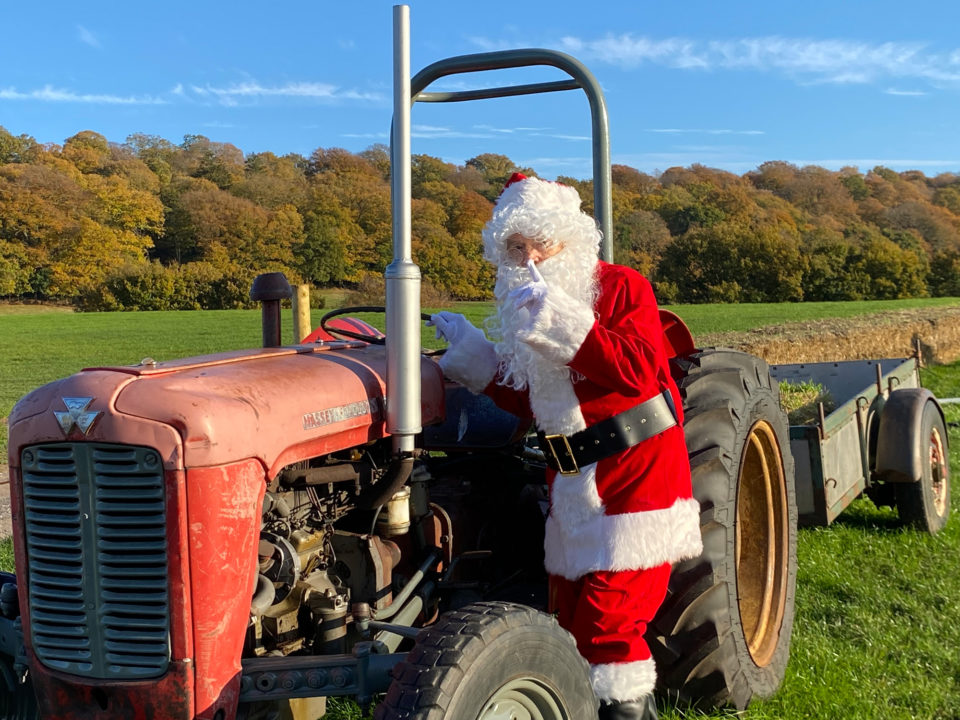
(607,613)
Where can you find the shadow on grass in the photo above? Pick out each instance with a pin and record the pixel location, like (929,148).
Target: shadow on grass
(864,515)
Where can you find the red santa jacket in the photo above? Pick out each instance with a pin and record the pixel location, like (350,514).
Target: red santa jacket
(634,509)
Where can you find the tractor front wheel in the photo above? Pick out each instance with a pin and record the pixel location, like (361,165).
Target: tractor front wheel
(491,661)
(19,703)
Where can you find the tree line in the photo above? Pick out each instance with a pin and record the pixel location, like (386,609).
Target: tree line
(148,224)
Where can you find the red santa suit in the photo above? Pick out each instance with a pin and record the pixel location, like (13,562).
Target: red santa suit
(584,353)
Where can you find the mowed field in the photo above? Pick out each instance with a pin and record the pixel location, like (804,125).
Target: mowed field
(877,632)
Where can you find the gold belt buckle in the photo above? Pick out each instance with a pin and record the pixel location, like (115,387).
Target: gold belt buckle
(567,454)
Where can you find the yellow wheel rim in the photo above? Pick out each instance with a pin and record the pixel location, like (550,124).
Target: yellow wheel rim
(762,542)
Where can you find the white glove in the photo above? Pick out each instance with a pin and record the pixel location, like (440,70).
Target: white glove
(531,295)
(452,327)
(471,359)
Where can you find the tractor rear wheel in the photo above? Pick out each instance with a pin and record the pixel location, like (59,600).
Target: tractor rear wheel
(491,661)
(722,635)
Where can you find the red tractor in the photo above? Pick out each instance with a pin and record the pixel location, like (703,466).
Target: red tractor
(244,534)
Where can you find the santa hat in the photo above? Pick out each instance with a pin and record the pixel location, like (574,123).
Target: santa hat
(539,210)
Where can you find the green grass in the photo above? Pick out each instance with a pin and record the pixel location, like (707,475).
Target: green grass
(877,626)
(43,343)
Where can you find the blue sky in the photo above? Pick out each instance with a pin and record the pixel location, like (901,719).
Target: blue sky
(727,84)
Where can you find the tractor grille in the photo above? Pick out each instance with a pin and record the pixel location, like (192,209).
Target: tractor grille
(97,558)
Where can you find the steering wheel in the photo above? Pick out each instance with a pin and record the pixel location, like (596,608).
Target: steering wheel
(362,330)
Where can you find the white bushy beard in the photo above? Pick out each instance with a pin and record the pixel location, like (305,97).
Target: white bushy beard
(572,270)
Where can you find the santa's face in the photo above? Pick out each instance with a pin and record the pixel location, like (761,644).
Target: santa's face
(569,273)
(521,249)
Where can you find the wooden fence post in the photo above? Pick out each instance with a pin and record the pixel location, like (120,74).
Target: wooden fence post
(301,313)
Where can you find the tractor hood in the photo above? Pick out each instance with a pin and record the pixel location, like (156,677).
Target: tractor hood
(279,405)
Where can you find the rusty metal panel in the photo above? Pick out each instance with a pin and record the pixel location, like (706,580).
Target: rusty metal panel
(224,506)
(61,697)
(284,405)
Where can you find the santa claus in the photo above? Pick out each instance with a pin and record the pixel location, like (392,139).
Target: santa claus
(577,345)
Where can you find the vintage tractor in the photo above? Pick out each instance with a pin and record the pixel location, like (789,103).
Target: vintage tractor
(242,535)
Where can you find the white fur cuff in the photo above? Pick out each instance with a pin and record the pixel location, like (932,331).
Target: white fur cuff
(574,547)
(472,362)
(561,326)
(623,682)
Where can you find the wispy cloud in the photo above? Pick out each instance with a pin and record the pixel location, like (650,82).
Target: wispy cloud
(491,128)
(576,166)
(696,131)
(250,90)
(51,94)
(489,132)
(629,51)
(87,37)
(574,138)
(829,61)
(905,93)
(491,45)
(366,136)
(431,132)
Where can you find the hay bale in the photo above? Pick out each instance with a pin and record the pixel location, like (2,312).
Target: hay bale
(801,401)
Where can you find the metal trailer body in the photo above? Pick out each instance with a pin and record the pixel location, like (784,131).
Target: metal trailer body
(836,455)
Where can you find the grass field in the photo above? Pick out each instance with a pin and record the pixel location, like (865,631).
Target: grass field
(39,343)
(877,632)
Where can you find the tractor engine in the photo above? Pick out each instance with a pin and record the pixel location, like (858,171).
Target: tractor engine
(309,570)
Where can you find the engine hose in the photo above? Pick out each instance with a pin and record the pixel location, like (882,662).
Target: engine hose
(262,596)
(397,604)
(275,503)
(393,479)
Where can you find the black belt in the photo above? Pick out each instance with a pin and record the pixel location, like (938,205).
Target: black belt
(567,454)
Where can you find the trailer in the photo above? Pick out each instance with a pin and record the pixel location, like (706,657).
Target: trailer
(885,437)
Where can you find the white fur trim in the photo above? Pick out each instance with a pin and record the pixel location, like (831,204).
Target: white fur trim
(561,326)
(574,500)
(623,682)
(575,546)
(471,362)
(554,403)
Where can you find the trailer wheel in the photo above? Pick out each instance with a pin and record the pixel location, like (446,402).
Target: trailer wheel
(491,661)
(722,635)
(926,504)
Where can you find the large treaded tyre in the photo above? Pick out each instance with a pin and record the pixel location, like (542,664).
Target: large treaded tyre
(20,704)
(722,636)
(491,661)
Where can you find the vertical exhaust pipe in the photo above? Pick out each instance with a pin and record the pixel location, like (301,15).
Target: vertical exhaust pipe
(269,289)
(402,276)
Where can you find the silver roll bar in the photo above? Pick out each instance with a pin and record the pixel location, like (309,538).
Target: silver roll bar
(581,78)
(402,275)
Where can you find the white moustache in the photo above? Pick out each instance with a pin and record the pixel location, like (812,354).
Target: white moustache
(521,366)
